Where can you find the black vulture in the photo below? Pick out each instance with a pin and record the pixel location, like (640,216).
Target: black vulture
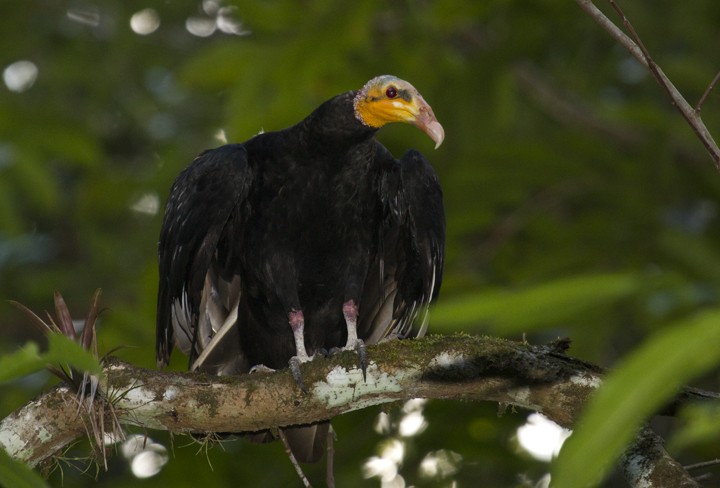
(305,239)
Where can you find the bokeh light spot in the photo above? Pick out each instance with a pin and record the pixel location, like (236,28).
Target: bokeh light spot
(20,76)
(145,21)
(200,27)
(541,437)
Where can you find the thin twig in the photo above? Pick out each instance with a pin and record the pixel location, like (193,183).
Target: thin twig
(703,464)
(330,476)
(293,460)
(703,477)
(636,48)
(692,116)
(710,87)
(612,29)
(664,82)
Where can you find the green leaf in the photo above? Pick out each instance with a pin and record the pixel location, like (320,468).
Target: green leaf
(18,474)
(547,304)
(21,363)
(701,424)
(62,350)
(637,388)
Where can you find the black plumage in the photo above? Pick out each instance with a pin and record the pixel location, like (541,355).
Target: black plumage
(304,236)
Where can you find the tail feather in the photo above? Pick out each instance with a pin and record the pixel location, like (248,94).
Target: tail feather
(307,443)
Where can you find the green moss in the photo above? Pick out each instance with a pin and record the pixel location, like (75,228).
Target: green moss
(207,400)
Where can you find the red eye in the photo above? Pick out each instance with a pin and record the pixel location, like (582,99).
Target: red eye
(391,92)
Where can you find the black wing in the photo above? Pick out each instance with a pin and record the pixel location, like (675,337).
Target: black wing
(199,284)
(411,252)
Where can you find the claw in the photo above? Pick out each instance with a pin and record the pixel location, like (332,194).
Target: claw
(362,353)
(359,347)
(294,365)
(261,368)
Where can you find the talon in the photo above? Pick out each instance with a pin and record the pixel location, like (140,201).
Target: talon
(260,368)
(362,353)
(294,365)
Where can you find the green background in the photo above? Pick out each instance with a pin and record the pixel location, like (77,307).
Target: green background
(578,201)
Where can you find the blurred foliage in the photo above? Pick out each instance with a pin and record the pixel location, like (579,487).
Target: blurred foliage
(17,474)
(60,350)
(701,425)
(665,362)
(579,203)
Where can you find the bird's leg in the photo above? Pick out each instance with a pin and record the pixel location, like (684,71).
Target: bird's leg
(297,324)
(350,312)
(260,368)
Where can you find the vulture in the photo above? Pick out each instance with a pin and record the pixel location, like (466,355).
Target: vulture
(303,240)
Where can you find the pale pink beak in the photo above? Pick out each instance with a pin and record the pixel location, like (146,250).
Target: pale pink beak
(425,121)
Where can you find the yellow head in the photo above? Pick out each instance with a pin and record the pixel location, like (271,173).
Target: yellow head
(387,99)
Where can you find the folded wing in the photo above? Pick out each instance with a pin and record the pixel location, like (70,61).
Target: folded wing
(199,284)
(411,249)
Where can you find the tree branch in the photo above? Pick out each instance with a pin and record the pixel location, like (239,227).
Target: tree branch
(704,96)
(538,378)
(639,52)
(647,463)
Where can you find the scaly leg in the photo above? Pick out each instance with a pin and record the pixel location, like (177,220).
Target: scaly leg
(297,324)
(350,312)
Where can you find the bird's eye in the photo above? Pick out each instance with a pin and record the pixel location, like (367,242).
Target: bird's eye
(391,92)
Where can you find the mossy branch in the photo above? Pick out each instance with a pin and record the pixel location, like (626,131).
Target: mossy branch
(539,378)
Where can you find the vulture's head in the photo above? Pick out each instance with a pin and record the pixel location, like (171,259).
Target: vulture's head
(387,99)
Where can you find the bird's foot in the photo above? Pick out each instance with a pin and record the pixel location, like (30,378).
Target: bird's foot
(361,350)
(294,365)
(357,345)
(354,343)
(261,368)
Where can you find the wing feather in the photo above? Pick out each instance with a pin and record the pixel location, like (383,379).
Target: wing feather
(410,254)
(198,291)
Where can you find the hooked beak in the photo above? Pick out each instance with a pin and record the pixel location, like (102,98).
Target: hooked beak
(424,119)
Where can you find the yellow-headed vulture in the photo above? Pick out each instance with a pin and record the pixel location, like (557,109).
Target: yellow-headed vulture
(309,238)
